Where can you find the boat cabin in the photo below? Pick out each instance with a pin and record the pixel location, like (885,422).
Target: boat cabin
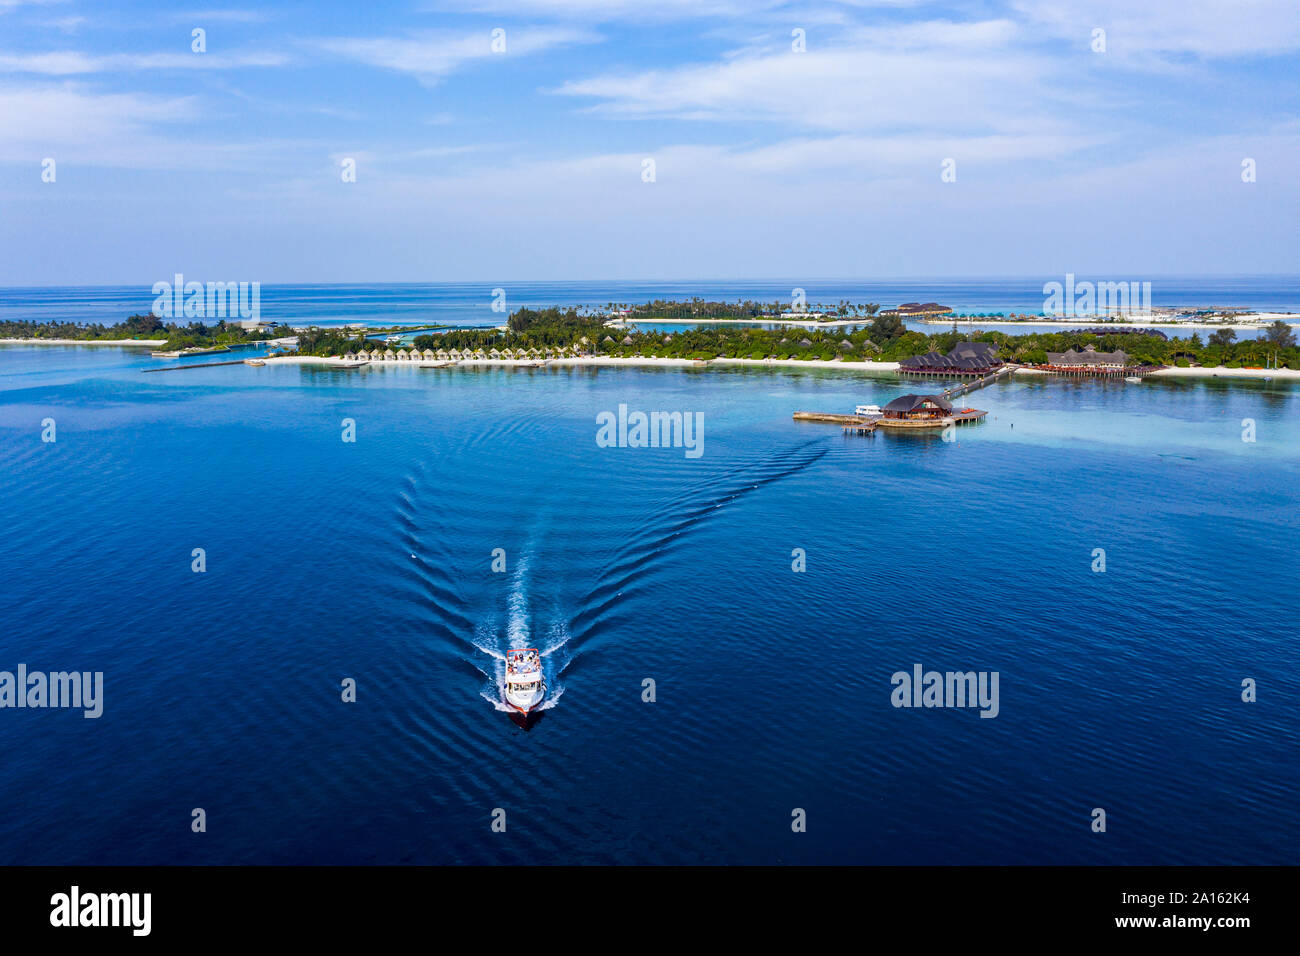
(523,668)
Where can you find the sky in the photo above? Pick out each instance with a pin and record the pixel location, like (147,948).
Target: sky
(646,139)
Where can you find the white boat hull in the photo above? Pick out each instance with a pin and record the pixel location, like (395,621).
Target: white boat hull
(525,701)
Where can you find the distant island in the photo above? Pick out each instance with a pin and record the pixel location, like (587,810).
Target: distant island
(884,339)
(879,339)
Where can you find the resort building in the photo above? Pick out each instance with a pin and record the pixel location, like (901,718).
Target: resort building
(966,358)
(1088,361)
(918,308)
(918,408)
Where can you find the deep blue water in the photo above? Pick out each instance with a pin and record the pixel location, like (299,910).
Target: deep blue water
(471,303)
(372,560)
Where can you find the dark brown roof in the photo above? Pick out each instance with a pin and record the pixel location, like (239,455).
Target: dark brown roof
(965,357)
(1089,356)
(910,403)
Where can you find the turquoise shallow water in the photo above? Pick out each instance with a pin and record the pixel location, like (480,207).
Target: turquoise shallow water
(373,560)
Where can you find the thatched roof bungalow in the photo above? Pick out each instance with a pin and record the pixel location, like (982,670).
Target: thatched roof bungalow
(966,358)
(918,408)
(1089,358)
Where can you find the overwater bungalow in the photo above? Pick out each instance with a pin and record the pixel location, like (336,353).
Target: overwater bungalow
(918,408)
(966,358)
(1090,362)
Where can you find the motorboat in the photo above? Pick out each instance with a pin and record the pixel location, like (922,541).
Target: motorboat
(525,686)
(868,411)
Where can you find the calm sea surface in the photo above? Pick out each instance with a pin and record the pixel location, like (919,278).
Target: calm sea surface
(470,303)
(372,560)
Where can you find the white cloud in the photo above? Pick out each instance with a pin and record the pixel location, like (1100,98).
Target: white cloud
(1202,28)
(430,56)
(595,11)
(73,63)
(226,16)
(87,128)
(938,76)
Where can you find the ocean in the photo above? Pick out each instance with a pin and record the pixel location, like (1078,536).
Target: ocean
(371,560)
(471,303)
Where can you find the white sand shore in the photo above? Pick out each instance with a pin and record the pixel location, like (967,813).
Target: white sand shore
(1289,374)
(878,368)
(607,361)
(143,343)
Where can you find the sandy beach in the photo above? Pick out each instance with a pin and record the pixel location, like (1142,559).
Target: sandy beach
(876,368)
(598,361)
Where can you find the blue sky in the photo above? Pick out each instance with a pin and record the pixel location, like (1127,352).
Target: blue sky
(528,164)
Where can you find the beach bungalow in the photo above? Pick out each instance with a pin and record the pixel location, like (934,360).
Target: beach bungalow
(389,355)
(403,356)
(480,355)
(918,408)
(349,356)
(429,355)
(441,355)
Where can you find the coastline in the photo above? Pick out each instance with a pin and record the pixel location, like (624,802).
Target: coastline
(607,360)
(1098,323)
(886,368)
(1261,321)
(142,343)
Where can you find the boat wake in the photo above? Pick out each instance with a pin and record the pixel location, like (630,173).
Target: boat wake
(519,632)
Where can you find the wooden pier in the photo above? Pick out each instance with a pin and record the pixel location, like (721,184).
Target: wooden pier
(863,425)
(176,368)
(951,393)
